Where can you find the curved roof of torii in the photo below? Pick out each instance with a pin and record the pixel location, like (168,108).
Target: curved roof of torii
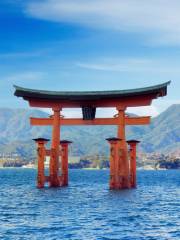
(90,100)
(157,90)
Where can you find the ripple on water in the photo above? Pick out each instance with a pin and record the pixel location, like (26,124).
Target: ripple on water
(87,209)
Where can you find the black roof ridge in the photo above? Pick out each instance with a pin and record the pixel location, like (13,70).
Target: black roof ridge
(76,93)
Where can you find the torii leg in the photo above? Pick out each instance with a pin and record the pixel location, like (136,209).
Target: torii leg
(133,145)
(41,153)
(123,151)
(54,159)
(64,162)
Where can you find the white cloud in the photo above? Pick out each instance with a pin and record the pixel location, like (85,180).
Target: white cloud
(24,76)
(155,109)
(163,104)
(21,77)
(144,111)
(131,65)
(158,19)
(115,64)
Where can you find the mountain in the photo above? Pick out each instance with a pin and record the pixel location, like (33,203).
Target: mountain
(162,135)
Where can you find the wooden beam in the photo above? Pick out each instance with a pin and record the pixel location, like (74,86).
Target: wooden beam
(40,121)
(137,120)
(97,121)
(133,101)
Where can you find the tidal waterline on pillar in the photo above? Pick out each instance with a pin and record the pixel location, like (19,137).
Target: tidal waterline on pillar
(89,101)
(64,161)
(132,154)
(115,177)
(41,153)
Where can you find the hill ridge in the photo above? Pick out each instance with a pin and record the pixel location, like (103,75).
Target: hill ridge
(162,135)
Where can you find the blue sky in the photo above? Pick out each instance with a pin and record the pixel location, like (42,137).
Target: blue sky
(89,45)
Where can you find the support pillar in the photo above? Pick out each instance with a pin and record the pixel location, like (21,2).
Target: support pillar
(55,150)
(123,151)
(64,161)
(41,153)
(133,144)
(115,164)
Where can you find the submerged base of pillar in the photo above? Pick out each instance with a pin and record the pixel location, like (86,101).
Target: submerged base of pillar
(120,183)
(60,181)
(133,184)
(40,181)
(64,181)
(64,185)
(54,182)
(40,185)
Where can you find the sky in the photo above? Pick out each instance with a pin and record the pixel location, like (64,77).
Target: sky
(90,45)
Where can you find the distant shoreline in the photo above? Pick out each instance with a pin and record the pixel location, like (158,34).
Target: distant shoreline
(91,169)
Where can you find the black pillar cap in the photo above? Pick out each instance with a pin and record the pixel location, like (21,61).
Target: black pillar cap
(113,139)
(65,141)
(40,139)
(132,141)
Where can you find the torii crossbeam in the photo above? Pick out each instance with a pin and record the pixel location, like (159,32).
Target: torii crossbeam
(89,101)
(97,121)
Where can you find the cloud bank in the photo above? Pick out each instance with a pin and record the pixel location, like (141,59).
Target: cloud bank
(135,65)
(157,20)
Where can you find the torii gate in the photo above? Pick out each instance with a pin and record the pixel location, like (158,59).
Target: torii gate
(122,172)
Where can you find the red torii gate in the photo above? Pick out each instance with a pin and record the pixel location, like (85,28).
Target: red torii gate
(123,173)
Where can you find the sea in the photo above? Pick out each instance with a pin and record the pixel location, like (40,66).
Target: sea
(87,209)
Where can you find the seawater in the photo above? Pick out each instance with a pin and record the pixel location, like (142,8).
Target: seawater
(87,209)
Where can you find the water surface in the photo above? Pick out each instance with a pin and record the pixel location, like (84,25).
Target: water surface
(87,209)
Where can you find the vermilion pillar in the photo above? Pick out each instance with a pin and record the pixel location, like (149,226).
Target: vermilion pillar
(133,144)
(41,152)
(64,161)
(123,148)
(116,177)
(54,159)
